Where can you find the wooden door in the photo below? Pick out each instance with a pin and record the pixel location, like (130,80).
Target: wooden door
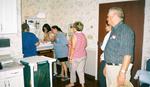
(134,17)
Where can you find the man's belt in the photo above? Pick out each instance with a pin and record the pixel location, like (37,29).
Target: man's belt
(115,64)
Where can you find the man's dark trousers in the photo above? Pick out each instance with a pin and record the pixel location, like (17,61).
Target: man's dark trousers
(102,79)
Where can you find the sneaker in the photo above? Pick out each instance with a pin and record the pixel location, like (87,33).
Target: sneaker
(54,74)
(65,78)
(59,76)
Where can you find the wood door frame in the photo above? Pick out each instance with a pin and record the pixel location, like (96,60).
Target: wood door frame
(139,29)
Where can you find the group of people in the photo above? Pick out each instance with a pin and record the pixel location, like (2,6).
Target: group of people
(73,50)
(116,60)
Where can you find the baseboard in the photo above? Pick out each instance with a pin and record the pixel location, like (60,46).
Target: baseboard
(90,76)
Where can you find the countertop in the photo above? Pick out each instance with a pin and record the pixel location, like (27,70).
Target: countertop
(11,66)
(35,59)
(45,46)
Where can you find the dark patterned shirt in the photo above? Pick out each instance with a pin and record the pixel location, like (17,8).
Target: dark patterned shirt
(120,43)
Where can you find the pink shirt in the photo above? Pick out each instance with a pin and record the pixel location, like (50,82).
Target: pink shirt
(80,46)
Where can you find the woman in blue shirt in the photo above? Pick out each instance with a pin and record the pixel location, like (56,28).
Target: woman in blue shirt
(29,41)
(61,50)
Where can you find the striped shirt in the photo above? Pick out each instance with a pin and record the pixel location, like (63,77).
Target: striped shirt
(120,43)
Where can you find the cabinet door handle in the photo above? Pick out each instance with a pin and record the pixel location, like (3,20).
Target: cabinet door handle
(14,72)
(8,83)
(5,84)
(1,28)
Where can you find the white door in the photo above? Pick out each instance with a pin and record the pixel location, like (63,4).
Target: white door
(16,78)
(1,7)
(13,82)
(8,16)
(2,84)
(16,81)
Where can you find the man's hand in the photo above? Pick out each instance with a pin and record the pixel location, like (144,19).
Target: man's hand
(121,79)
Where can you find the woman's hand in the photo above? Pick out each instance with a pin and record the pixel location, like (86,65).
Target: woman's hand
(70,60)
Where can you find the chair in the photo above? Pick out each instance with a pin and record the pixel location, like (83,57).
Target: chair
(144,75)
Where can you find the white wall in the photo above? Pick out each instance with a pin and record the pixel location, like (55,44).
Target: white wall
(146,40)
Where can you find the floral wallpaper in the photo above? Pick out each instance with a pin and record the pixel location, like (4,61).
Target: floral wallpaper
(65,12)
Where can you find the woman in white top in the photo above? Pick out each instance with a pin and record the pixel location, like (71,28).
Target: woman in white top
(102,79)
(108,30)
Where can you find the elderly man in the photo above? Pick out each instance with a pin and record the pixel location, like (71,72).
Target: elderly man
(119,50)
